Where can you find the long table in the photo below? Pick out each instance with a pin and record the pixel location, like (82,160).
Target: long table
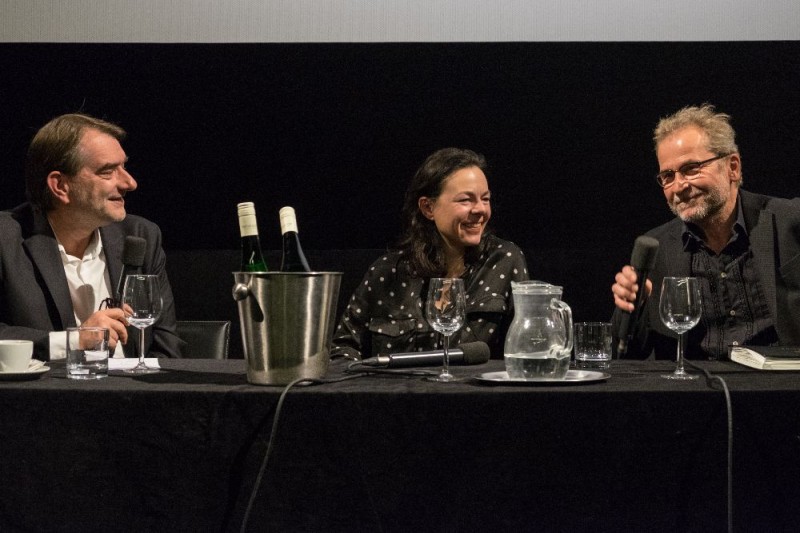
(181,449)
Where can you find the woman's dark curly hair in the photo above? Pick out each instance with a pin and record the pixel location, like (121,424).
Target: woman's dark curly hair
(420,241)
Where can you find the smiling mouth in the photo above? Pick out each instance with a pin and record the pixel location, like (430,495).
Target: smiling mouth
(687,201)
(473,226)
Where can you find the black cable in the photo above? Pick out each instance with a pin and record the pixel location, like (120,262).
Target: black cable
(273,432)
(354,370)
(710,379)
(360,368)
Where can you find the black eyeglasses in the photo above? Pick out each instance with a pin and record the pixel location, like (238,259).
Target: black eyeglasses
(689,171)
(108,303)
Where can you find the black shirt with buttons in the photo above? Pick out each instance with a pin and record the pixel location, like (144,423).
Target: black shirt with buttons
(735,309)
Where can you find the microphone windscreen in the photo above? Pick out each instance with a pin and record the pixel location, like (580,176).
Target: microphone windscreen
(133,251)
(644,252)
(475,353)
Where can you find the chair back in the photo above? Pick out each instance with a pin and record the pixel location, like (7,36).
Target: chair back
(205,339)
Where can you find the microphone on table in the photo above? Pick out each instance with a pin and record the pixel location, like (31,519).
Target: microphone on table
(643,258)
(467,353)
(133,252)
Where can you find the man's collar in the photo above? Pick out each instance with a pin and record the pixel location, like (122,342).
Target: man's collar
(693,233)
(92,251)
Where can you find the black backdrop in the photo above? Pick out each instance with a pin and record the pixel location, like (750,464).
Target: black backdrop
(336,130)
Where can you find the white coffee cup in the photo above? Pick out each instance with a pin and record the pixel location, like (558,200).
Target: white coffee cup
(15,356)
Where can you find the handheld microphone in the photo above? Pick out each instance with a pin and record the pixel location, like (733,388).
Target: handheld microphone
(132,260)
(468,353)
(643,258)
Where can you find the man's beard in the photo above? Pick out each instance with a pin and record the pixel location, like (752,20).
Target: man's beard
(701,207)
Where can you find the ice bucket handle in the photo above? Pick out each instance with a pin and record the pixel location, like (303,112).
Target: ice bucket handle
(240,292)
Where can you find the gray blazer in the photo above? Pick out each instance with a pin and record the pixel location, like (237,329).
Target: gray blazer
(773,225)
(34,295)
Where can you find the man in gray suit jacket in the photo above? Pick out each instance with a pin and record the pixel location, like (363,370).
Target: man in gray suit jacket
(743,247)
(61,253)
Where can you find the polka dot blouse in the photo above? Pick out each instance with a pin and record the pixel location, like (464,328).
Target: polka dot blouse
(386,312)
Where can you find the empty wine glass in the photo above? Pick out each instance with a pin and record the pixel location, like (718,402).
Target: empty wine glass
(142,303)
(680,308)
(445,310)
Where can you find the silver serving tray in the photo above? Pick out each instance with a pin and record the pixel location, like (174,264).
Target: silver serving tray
(573,377)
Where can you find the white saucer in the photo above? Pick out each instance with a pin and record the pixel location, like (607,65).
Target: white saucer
(24,375)
(573,377)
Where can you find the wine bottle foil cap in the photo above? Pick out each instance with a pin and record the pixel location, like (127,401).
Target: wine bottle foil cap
(246,208)
(247,219)
(288,219)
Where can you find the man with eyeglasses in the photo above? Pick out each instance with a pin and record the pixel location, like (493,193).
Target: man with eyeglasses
(743,247)
(61,253)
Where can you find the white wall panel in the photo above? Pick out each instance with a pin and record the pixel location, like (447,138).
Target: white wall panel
(210,21)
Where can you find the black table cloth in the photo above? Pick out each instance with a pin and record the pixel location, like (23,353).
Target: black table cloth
(180,450)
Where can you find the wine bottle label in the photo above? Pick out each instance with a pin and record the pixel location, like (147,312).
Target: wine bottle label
(288,220)
(248,226)
(247,219)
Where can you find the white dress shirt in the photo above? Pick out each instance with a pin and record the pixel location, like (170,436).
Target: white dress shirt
(89,284)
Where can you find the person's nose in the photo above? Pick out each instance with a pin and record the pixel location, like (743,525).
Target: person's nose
(478,208)
(126,181)
(681,183)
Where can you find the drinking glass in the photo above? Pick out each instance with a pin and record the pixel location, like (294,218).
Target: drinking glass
(142,303)
(680,308)
(445,310)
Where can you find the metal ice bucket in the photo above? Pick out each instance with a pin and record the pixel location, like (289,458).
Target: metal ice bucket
(287,321)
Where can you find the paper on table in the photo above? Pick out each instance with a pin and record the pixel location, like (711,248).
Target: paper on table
(130,362)
(767,357)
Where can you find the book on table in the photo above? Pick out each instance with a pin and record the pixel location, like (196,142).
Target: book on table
(766,357)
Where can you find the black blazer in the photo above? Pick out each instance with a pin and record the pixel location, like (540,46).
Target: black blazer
(34,295)
(773,225)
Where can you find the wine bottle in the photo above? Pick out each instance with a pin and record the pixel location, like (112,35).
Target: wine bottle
(293,259)
(252,258)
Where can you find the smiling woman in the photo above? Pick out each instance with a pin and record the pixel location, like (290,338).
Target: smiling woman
(446,210)
(460,214)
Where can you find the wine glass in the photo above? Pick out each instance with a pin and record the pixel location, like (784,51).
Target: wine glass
(445,310)
(680,308)
(142,303)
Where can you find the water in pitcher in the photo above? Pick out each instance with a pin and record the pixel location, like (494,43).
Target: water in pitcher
(538,365)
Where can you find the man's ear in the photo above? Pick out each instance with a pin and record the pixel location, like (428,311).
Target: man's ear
(735,167)
(58,184)
(425,205)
